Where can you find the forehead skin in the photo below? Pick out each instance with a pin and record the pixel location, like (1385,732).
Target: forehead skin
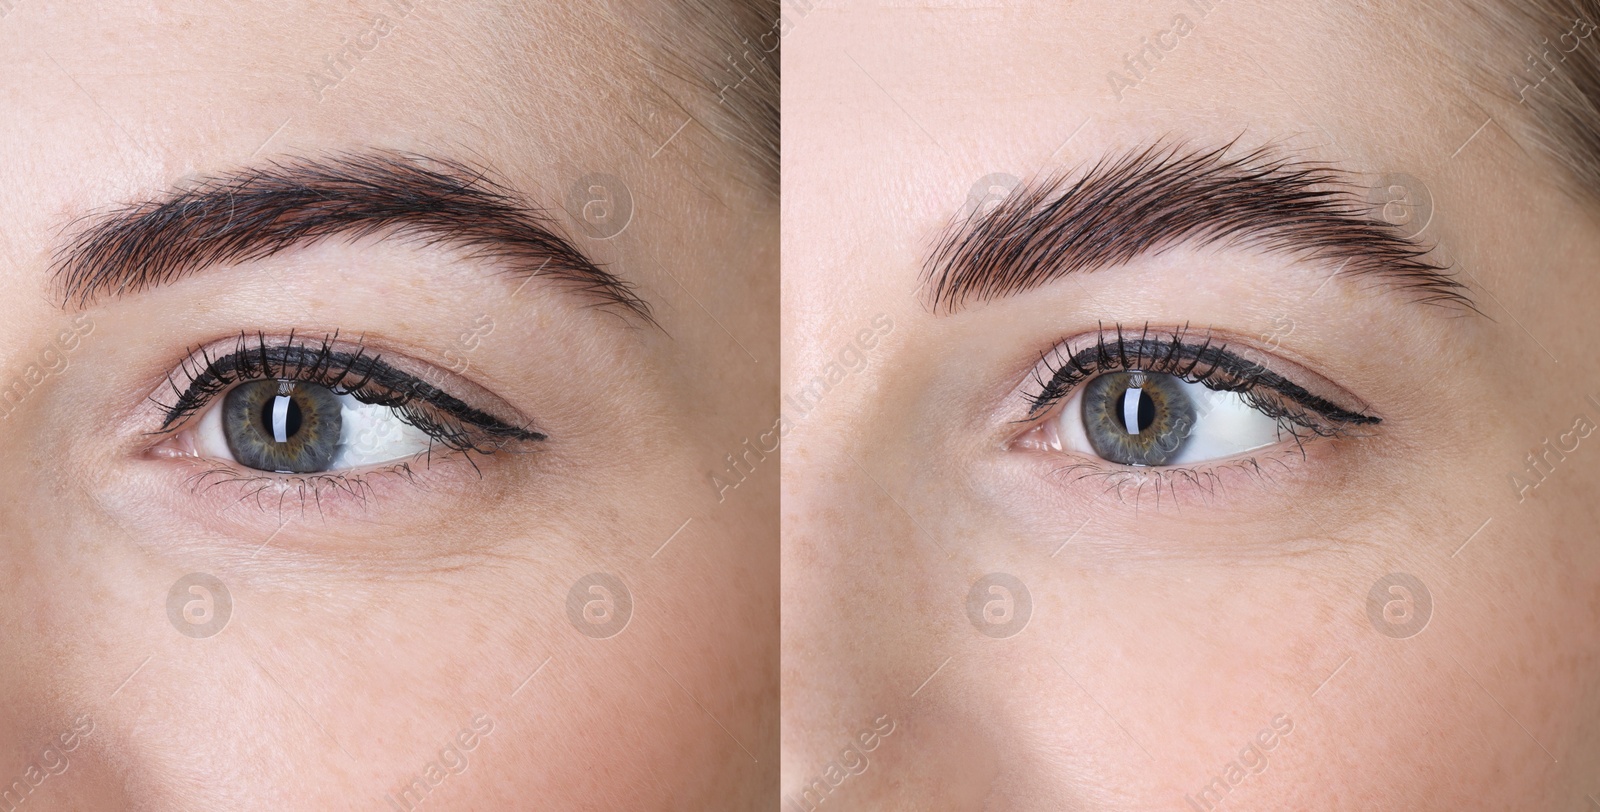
(1178,634)
(186,88)
(109,105)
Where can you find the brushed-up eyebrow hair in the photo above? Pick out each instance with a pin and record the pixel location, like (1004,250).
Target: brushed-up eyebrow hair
(261,211)
(1152,199)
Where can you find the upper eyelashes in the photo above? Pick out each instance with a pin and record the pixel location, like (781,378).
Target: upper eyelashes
(1203,361)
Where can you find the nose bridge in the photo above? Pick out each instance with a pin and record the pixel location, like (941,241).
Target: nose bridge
(19,638)
(65,624)
(39,726)
(26,652)
(872,610)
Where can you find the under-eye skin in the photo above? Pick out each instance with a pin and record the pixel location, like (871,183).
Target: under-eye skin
(1153,399)
(294,407)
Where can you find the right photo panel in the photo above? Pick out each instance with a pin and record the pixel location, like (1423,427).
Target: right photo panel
(1188,405)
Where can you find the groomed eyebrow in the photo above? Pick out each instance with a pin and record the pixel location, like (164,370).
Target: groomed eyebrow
(261,211)
(1152,199)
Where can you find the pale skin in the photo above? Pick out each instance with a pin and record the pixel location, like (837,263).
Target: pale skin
(366,635)
(1164,638)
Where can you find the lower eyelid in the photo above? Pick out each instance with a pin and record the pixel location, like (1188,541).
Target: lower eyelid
(1179,484)
(229,489)
(1278,473)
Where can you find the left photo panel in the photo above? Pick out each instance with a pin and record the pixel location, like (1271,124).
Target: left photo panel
(382,387)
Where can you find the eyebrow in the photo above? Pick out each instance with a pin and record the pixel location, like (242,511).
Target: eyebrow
(261,211)
(1148,200)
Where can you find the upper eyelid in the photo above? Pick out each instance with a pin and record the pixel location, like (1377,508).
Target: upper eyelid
(1175,341)
(1122,359)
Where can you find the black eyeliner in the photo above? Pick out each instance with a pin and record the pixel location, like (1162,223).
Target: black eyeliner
(1210,365)
(358,373)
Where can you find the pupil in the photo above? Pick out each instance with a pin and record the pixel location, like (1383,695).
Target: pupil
(291,420)
(1147,410)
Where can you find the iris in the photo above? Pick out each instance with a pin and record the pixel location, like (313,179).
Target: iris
(289,427)
(1137,417)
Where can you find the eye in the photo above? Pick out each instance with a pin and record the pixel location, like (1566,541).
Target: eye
(1163,400)
(310,408)
(1152,418)
(295,427)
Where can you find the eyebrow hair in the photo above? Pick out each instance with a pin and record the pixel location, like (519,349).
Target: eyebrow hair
(1149,200)
(261,211)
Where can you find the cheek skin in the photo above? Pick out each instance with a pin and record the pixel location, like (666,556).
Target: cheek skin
(305,653)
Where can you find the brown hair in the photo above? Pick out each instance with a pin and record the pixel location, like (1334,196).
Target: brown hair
(730,55)
(1541,57)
